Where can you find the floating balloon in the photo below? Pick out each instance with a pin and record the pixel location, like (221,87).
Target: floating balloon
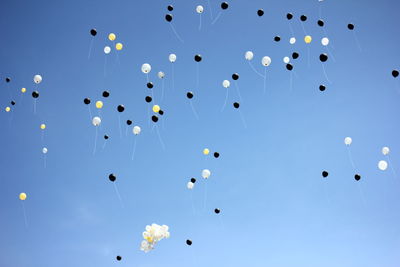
(172,58)
(286,60)
(120,108)
(395,73)
(148,99)
(42,126)
(197,58)
(323,57)
(307,39)
(44,150)
(8,109)
(320,23)
(106,137)
(128,122)
(93,32)
(385,150)
(136,130)
(189,95)
(112,37)
(22,196)
(235,76)
(266,61)
(260,12)
(295,55)
(206,151)
(86,101)
(37,79)
(35,94)
(156,108)
(303,17)
(193,180)
(226,83)
(325,41)
(217,211)
(112,177)
(199,9)
(119,258)
(154,118)
(153,234)
(325,174)
(236,105)
(170,8)
(190,185)
(12,103)
(150,85)
(216,155)
(289,16)
(249,55)
(118,46)
(23,90)
(96,121)
(277,38)
(8,80)
(107,50)
(168,17)
(205,173)
(289,66)
(224,5)
(146,68)
(322,87)
(161,112)
(189,242)
(357,177)
(350,26)
(292,40)
(99,104)
(161,74)
(348,141)
(382,165)
(106,94)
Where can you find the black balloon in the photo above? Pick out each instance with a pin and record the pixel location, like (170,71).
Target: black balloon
(35,94)
(193,180)
(350,26)
(357,177)
(325,174)
(236,105)
(189,242)
(106,94)
(217,211)
(148,99)
(321,23)
(224,5)
(93,32)
(86,101)
(112,177)
(129,122)
(8,80)
(216,155)
(395,73)
(154,118)
(289,66)
(295,55)
(322,87)
(235,76)
(277,38)
(168,17)
(197,58)
(170,8)
(323,57)
(106,137)
(119,258)
(260,12)
(289,16)
(121,108)
(150,85)
(189,95)
(13,102)
(161,112)
(303,17)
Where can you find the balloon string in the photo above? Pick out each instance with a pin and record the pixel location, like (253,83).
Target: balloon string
(197,76)
(90,48)
(291,82)
(351,159)
(330,53)
(148,113)
(134,148)
(104,67)
(90,113)
(251,65)
(308,56)
(362,195)
(243,120)
(391,167)
(9,90)
(326,194)
(34,106)
(118,195)
(210,7)
(265,80)
(126,130)
(357,42)
(221,222)
(191,198)
(119,124)
(95,142)
(176,34)
(304,29)
(226,99)
(205,197)
(25,217)
(44,161)
(326,76)
(215,20)
(194,111)
(291,28)
(162,90)
(159,138)
(104,145)
(200,23)
(173,77)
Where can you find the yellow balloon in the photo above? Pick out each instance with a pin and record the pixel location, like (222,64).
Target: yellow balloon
(8,109)
(308,39)
(112,36)
(206,151)
(22,196)
(23,90)
(156,108)
(42,126)
(118,46)
(99,104)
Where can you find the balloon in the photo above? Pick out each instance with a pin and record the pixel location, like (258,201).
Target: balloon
(266,61)
(385,150)
(8,80)
(112,177)
(199,9)
(292,40)
(12,103)
(190,185)
(193,180)
(205,173)
(22,196)
(277,38)
(260,12)
(99,104)
(149,85)
(226,83)
(148,99)
(172,58)
(161,112)
(93,32)
(206,151)
(289,16)
(395,73)
(308,39)
(170,8)
(320,23)
(322,87)
(112,37)
(325,174)
(156,108)
(224,5)
(235,76)
(249,55)
(357,177)
(96,121)
(325,41)
(8,109)
(146,68)
(136,130)
(107,50)
(236,105)
(119,258)
(197,58)
(189,242)
(154,118)
(303,17)
(348,141)
(35,94)
(37,79)
(23,90)
(106,137)
(295,55)
(189,95)
(120,108)
(168,17)
(216,155)
(323,57)
(118,46)
(286,60)
(106,94)
(128,122)
(289,66)
(42,126)
(217,211)
(86,101)
(44,150)
(161,74)
(382,165)
(350,26)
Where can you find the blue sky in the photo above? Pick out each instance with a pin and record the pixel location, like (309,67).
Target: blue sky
(276,209)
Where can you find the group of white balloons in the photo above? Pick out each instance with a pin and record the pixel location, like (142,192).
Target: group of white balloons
(265,61)
(153,234)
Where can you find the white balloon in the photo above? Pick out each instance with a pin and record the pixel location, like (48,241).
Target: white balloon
(146,68)
(348,141)
(190,185)
(96,121)
(286,60)
(107,49)
(172,58)
(292,40)
(325,41)
(385,150)
(161,74)
(266,61)
(136,130)
(199,9)
(205,173)
(37,78)
(44,150)
(249,55)
(226,83)
(382,165)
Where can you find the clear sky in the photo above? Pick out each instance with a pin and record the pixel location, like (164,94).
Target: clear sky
(276,209)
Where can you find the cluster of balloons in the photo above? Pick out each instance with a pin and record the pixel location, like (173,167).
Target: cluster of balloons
(206,151)
(153,234)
